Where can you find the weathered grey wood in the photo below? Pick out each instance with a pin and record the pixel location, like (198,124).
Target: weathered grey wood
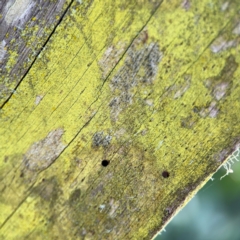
(127,111)
(25,26)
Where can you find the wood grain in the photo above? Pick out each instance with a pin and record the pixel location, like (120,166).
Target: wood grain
(120,119)
(25,27)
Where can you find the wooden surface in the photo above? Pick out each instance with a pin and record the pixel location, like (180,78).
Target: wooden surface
(113,113)
(25,28)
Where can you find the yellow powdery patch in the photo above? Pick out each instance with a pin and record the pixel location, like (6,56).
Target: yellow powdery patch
(125,114)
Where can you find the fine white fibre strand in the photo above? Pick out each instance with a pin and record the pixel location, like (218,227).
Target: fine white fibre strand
(232,159)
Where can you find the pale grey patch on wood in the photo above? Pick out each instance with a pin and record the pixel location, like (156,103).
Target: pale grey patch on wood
(220,45)
(44,152)
(2,50)
(210,111)
(59,5)
(18,12)
(186,4)
(19,19)
(111,57)
(224,6)
(99,139)
(38,99)
(236,30)
(184,87)
(140,67)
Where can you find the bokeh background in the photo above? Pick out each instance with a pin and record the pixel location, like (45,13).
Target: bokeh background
(213,214)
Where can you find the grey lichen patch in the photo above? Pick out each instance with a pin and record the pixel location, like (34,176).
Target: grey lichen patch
(101,140)
(140,67)
(220,85)
(44,152)
(111,57)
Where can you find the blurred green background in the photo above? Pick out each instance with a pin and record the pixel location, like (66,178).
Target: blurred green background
(213,214)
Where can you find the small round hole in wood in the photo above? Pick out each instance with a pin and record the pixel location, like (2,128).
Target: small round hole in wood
(105,163)
(165,174)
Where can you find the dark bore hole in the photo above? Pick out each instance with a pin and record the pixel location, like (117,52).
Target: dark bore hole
(105,163)
(165,174)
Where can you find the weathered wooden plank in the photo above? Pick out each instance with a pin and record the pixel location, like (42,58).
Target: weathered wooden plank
(127,111)
(25,26)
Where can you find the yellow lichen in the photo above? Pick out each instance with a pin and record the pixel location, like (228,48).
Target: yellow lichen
(170,129)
